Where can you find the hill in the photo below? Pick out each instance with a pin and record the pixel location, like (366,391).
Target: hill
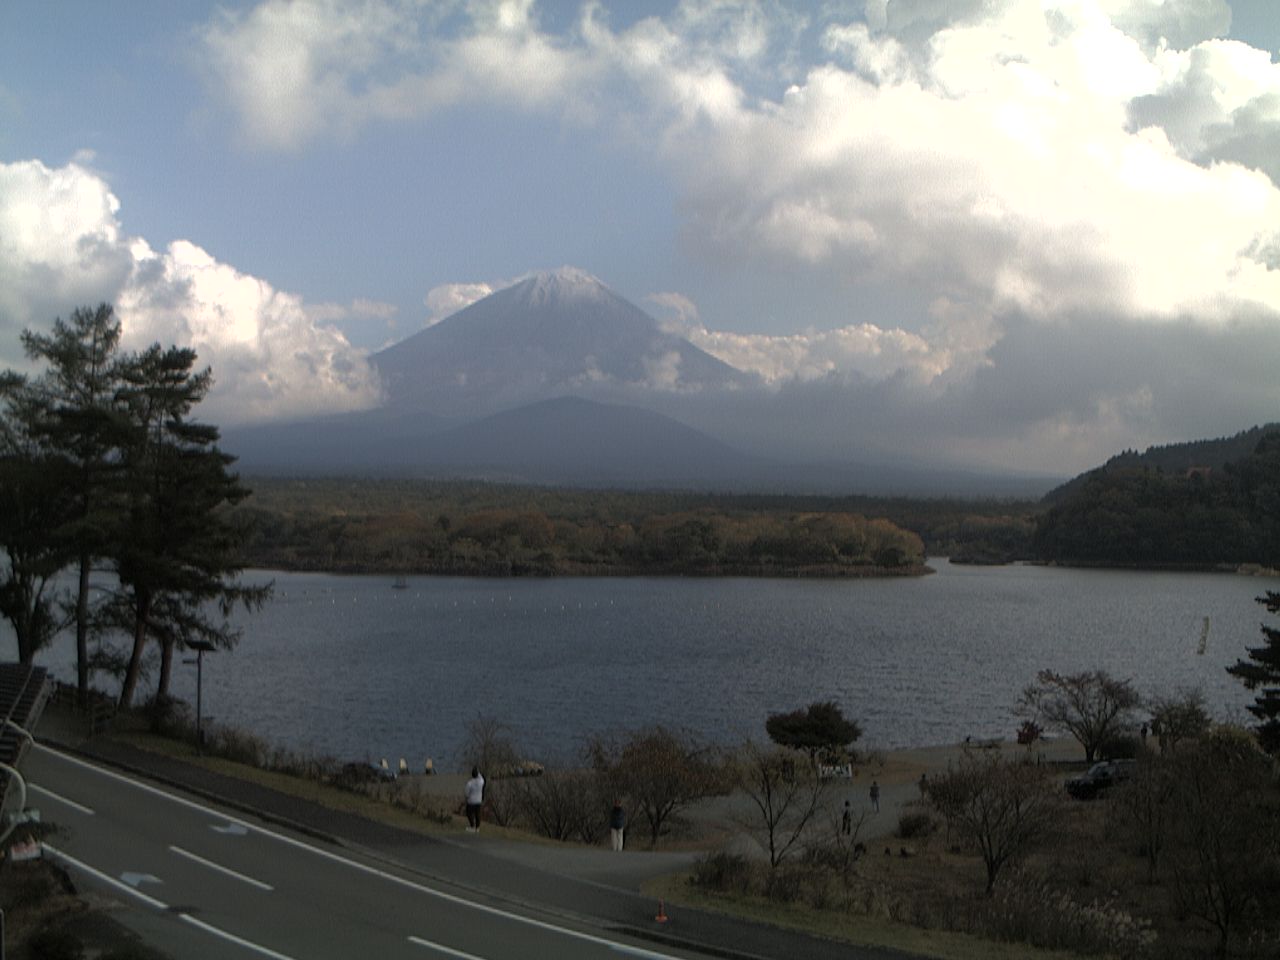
(1138,512)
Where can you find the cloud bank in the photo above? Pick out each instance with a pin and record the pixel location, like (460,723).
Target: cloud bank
(62,246)
(1048,186)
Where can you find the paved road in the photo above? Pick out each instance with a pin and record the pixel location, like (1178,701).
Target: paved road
(203,883)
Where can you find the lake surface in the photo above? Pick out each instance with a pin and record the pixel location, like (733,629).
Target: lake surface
(352,668)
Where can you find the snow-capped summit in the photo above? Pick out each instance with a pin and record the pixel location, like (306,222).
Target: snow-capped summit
(547,335)
(566,283)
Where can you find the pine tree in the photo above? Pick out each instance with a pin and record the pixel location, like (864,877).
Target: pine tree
(82,427)
(1262,669)
(33,502)
(177,554)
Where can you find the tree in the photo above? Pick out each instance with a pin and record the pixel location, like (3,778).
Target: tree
(658,771)
(489,745)
(177,553)
(1177,717)
(784,800)
(819,730)
(1091,706)
(83,427)
(1144,806)
(1262,669)
(1225,832)
(1002,807)
(33,502)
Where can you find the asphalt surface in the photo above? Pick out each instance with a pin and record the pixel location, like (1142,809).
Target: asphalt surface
(592,889)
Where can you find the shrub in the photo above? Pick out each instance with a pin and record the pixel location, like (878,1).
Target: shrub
(723,872)
(238,746)
(913,826)
(786,884)
(56,943)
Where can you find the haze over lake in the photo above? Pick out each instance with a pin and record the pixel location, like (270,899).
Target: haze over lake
(351,667)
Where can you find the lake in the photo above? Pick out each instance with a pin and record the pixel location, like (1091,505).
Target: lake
(350,667)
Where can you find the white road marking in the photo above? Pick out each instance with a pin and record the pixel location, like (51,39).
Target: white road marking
(36,788)
(441,948)
(107,878)
(162,906)
(239,941)
(220,868)
(136,880)
(612,945)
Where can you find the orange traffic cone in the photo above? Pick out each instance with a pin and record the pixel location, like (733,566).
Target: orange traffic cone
(662,913)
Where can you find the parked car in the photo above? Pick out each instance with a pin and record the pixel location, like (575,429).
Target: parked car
(1099,778)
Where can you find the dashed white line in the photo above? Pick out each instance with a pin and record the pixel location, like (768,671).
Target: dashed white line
(220,868)
(161,905)
(36,788)
(232,938)
(611,945)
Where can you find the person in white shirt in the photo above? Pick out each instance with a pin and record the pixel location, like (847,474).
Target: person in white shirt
(474,793)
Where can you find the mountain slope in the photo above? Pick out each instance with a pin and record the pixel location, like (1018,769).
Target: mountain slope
(1174,458)
(546,335)
(582,443)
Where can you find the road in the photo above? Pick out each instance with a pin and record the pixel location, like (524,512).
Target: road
(203,883)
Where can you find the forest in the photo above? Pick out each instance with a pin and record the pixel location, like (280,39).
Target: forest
(1135,512)
(404,526)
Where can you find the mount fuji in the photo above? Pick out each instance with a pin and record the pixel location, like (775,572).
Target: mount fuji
(551,334)
(523,385)
(558,380)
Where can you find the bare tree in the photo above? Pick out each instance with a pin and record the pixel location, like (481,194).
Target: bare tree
(1003,807)
(561,804)
(785,798)
(1145,806)
(658,771)
(1178,716)
(1225,836)
(1091,706)
(490,746)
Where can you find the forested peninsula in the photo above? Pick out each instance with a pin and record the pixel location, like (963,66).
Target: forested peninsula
(478,529)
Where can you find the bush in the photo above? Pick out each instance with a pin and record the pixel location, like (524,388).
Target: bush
(560,804)
(237,746)
(56,943)
(724,873)
(786,884)
(912,826)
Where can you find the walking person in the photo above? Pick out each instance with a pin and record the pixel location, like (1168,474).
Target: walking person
(875,796)
(617,824)
(846,820)
(474,794)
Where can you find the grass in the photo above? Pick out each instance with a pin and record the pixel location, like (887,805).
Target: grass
(863,931)
(375,807)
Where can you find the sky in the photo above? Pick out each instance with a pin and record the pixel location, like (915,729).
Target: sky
(999,233)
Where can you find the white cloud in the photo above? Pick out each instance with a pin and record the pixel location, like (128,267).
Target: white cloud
(63,247)
(359,310)
(447,299)
(297,69)
(1022,166)
(997,161)
(1219,100)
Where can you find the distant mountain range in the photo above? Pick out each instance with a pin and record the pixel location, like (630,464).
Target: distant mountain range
(556,380)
